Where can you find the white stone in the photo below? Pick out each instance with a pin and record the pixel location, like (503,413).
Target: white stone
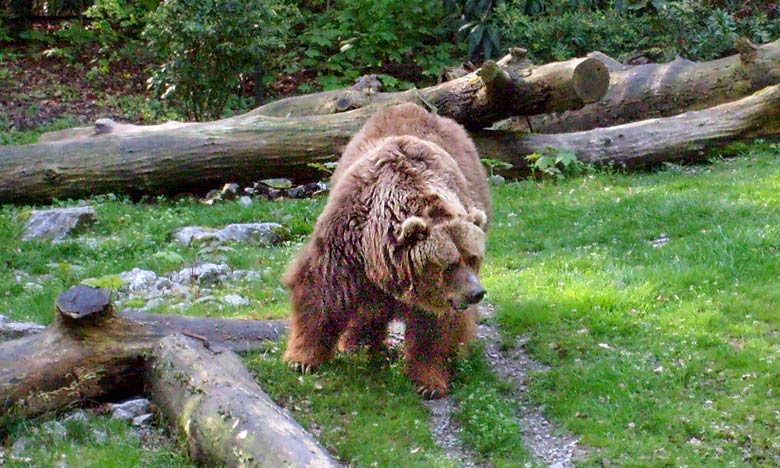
(138,279)
(57,223)
(235,300)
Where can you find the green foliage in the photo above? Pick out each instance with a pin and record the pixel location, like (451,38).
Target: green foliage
(656,351)
(476,26)
(572,33)
(555,163)
(88,442)
(206,47)
(488,413)
(404,40)
(692,28)
(105,282)
(325,168)
(494,165)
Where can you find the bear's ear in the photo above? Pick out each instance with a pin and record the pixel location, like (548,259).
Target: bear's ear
(413,229)
(478,217)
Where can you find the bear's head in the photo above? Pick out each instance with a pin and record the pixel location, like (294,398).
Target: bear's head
(433,261)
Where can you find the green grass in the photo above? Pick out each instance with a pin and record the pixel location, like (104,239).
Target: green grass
(658,356)
(97,442)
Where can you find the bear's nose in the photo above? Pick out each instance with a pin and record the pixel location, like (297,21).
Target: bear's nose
(476,296)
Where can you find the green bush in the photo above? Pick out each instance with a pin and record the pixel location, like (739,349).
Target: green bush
(573,33)
(206,47)
(403,41)
(559,30)
(699,32)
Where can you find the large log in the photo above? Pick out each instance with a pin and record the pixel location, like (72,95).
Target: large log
(92,352)
(500,89)
(649,142)
(224,416)
(661,90)
(195,157)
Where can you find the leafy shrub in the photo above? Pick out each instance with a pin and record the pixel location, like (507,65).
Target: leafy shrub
(573,33)
(700,32)
(476,25)
(401,41)
(559,30)
(206,46)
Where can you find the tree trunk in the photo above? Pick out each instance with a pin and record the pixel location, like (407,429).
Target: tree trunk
(196,157)
(500,89)
(174,158)
(225,417)
(661,90)
(649,142)
(92,352)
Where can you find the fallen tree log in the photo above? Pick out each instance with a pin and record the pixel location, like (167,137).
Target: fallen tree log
(660,90)
(496,91)
(649,142)
(225,417)
(191,157)
(510,86)
(177,157)
(92,352)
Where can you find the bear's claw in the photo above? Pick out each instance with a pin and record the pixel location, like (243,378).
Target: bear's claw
(428,393)
(302,367)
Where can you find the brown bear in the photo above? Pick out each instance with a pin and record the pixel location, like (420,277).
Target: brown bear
(402,236)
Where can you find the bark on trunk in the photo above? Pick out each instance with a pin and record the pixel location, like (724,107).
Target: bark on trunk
(195,157)
(662,90)
(177,158)
(224,416)
(92,352)
(649,142)
(500,89)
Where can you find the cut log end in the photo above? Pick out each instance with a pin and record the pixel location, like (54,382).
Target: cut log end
(82,301)
(591,80)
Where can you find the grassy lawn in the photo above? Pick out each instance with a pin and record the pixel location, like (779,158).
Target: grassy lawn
(651,297)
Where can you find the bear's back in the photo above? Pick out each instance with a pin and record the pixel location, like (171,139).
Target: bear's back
(412,120)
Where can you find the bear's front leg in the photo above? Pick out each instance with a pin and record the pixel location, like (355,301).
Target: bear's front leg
(313,334)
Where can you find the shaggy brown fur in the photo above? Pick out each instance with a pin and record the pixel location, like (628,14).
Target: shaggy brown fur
(402,236)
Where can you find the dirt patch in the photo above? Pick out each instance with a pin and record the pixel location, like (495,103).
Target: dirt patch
(548,443)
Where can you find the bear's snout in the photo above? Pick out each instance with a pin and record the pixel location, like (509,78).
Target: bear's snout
(476,296)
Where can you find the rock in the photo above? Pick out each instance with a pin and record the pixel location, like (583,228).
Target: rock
(229,191)
(277,183)
(19,449)
(130,409)
(57,223)
(138,279)
(245,201)
(263,233)
(496,180)
(77,416)
(204,274)
(307,190)
(205,299)
(54,429)
(153,304)
(13,330)
(188,235)
(235,300)
(143,419)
